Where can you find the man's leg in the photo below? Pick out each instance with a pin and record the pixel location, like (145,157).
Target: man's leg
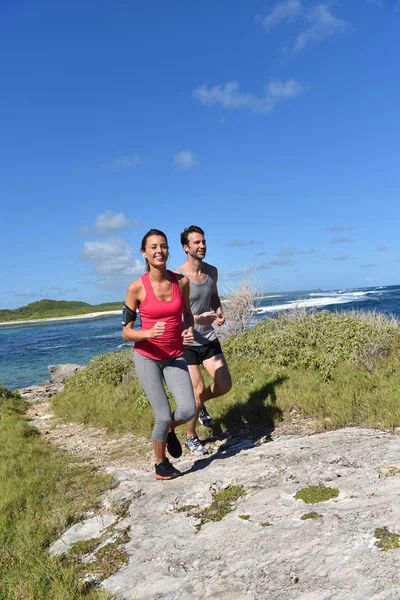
(217,368)
(198,388)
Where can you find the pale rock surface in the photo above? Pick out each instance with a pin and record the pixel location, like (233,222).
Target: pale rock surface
(46,390)
(333,557)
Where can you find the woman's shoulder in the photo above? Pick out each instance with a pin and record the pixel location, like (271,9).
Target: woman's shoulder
(135,286)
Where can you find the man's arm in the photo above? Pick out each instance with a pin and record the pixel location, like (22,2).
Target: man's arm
(215,299)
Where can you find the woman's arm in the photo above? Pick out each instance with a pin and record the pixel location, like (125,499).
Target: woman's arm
(132,301)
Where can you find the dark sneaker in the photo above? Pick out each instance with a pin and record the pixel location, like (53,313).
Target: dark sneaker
(195,446)
(173,445)
(205,418)
(165,470)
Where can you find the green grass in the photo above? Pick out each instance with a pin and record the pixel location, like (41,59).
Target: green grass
(43,492)
(310,515)
(316,493)
(221,505)
(342,369)
(387,540)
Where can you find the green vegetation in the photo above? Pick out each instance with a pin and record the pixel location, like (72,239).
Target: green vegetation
(244,517)
(109,558)
(47,309)
(43,492)
(341,369)
(221,505)
(316,493)
(266,524)
(310,515)
(386,540)
(187,508)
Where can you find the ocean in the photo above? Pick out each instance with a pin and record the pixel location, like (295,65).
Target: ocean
(27,351)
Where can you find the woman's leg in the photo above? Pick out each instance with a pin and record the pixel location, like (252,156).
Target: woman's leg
(150,376)
(177,378)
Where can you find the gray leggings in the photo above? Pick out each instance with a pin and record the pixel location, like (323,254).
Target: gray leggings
(174,372)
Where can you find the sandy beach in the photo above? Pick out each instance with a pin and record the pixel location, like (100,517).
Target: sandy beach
(70,318)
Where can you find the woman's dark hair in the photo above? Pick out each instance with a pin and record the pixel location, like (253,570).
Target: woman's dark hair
(185,233)
(144,241)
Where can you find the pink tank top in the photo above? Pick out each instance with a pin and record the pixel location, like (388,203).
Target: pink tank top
(170,344)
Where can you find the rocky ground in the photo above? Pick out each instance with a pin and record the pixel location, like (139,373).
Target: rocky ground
(177,542)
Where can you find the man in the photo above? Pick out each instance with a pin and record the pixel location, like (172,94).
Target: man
(205,349)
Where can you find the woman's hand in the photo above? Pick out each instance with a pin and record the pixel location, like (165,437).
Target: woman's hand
(157,330)
(188,336)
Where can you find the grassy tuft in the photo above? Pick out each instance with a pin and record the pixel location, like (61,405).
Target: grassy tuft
(221,505)
(316,493)
(310,515)
(386,540)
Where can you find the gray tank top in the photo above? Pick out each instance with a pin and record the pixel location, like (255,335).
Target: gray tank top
(200,302)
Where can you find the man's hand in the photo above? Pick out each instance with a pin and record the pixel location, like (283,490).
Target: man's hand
(220,319)
(206,318)
(157,330)
(188,336)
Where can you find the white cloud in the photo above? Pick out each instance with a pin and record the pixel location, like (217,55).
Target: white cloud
(381,248)
(28,293)
(341,256)
(57,289)
(185,160)
(322,25)
(309,251)
(113,261)
(84,230)
(293,252)
(126,162)
(281,262)
(338,228)
(287,10)
(46,290)
(231,98)
(287,252)
(239,243)
(110,221)
(341,240)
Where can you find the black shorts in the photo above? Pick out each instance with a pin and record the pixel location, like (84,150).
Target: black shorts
(196,355)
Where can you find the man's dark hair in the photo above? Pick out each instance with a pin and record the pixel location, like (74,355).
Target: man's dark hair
(185,233)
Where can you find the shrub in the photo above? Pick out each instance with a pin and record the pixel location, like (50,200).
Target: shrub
(239,307)
(107,368)
(318,341)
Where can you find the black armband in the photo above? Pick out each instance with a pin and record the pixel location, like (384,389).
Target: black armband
(128,315)
(215,302)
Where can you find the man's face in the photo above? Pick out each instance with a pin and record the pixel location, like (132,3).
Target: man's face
(196,246)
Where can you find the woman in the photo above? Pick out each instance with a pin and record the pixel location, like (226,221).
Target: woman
(162,297)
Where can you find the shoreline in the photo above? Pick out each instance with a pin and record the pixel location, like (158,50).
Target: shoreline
(56,319)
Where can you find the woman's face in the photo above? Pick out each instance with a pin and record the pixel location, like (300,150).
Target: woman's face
(156,250)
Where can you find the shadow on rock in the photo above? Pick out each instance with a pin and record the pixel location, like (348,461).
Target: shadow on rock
(245,423)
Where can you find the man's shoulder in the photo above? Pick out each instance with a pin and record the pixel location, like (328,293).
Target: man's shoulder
(210,268)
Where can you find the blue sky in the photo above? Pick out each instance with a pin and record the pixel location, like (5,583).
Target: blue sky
(273,125)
